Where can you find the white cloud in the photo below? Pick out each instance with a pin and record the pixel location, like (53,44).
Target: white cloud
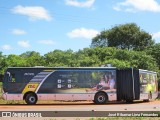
(83,33)
(117,8)
(33,12)
(138,5)
(24,43)
(46,42)
(18,32)
(156,35)
(76,3)
(6,47)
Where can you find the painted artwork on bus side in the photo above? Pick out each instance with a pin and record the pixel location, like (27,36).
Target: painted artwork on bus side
(148,82)
(85,81)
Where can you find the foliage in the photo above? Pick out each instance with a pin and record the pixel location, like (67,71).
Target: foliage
(12,61)
(127,36)
(32,58)
(154,51)
(88,57)
(59,58)
(1,63)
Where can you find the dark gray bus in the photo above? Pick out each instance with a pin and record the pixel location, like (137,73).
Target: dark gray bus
(99,84)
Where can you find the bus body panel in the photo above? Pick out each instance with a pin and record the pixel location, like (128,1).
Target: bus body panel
(80,83)
(60,83)
(148,84)
(111,96)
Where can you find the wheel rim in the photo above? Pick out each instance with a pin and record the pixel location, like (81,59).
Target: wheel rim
(101,98)
(32,99)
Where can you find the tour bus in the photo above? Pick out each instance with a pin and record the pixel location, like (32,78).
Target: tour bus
(97,84)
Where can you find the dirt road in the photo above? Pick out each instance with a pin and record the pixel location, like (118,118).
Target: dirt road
(85,106)
(76,110)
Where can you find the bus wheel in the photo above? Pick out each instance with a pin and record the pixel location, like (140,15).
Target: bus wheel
(100,98)
(31,99)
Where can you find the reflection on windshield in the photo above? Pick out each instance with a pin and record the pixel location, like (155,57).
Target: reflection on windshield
(7,77)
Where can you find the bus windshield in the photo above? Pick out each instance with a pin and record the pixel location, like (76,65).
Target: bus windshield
(7,77)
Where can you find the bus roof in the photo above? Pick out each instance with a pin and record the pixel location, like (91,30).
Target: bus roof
(141,70)
(61,67)
(77,68)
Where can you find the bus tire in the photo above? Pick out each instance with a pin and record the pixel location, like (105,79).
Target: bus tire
(100,98)
(31,99)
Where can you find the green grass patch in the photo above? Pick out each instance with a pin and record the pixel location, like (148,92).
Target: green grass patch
(11,101)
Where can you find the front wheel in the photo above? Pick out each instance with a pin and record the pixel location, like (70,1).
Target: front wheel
(100,98)
(31,99)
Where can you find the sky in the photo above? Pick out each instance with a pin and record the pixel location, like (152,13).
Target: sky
(46,25)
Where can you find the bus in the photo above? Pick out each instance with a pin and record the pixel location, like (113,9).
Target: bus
(97,84)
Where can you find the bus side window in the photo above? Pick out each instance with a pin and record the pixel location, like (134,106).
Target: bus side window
(12,78)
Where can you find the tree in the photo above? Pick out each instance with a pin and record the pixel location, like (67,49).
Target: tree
(59,58)
(154,51)
(12,61)
(124,59)
(128,36)
(2,57)
(87,58)
(32,58)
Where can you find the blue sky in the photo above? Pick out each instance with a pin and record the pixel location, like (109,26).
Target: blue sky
(46,25)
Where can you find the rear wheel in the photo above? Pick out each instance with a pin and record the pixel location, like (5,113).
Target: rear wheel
(31,99)
(100,98)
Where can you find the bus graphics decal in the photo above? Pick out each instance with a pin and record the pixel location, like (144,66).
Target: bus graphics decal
(36,82)
(77,81)
(148,82)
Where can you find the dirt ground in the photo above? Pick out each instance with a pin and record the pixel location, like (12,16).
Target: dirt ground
(80,104)
(83,106)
